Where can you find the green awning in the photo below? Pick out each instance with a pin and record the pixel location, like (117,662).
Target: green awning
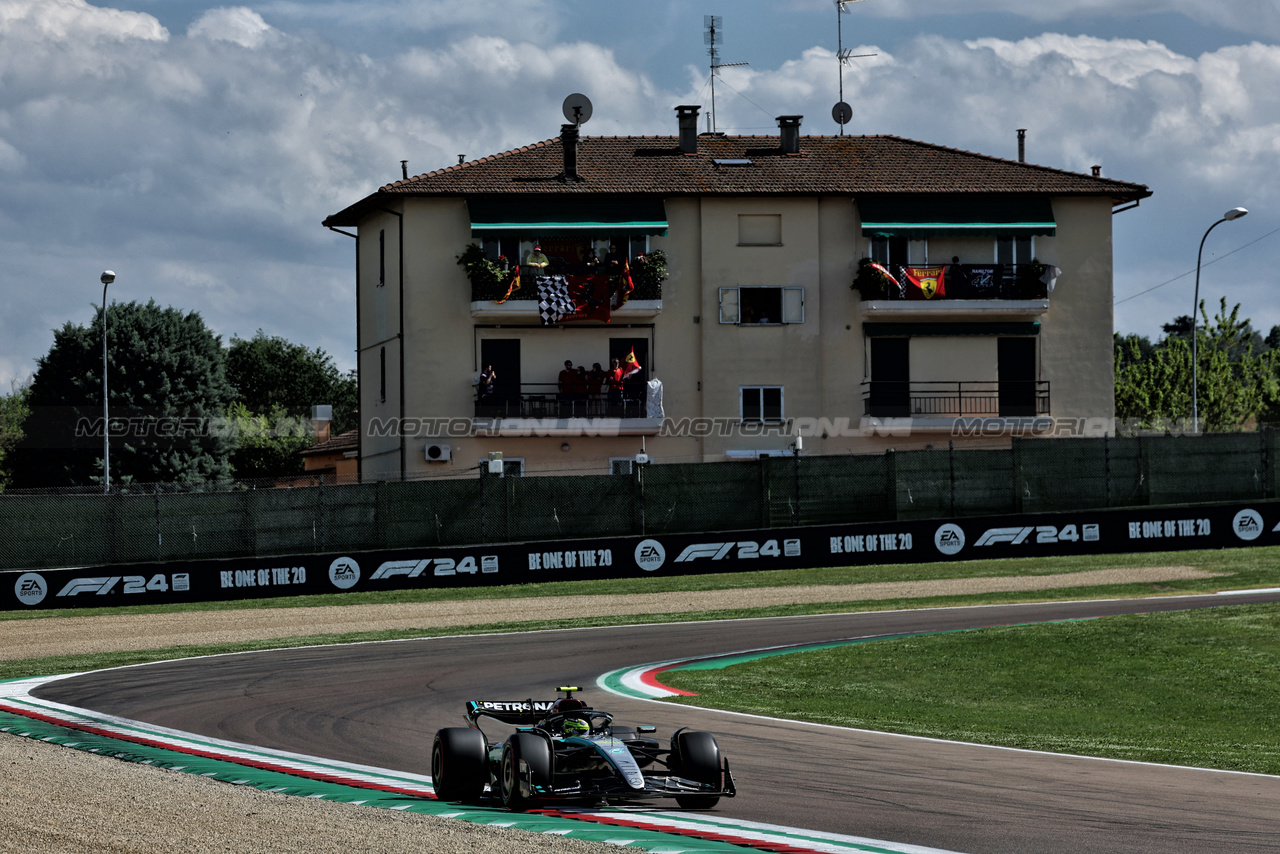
(565,216)
(936,329)
(937,216)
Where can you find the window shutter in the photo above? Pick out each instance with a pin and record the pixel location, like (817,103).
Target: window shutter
(793,305)
(729,305)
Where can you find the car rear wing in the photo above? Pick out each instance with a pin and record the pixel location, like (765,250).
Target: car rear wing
(514,712)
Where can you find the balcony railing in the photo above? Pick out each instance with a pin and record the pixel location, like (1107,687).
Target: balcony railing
(546,400)
(1009,398)
(968,282)
(492,290)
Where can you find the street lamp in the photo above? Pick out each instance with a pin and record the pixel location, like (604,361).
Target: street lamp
(1234,213)
(106,278)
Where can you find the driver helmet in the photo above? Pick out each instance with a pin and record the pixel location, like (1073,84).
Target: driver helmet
(576,726)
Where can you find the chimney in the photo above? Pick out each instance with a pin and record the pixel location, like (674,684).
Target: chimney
(1097,170)
(789,134)
(1022,145)
(569,142)
(687,115)
(404,169)
(321,416)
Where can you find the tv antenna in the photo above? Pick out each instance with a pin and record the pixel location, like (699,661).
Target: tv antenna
(713,24)
(842,112)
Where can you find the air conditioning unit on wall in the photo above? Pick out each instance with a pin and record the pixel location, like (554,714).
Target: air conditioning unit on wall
(439,453)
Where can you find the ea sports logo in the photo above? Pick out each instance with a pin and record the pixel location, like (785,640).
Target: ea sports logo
(344,573)
(30,588)
(949,539)
(1247,525)
(650,555)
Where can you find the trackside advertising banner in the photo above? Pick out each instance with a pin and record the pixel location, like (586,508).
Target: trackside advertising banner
(1086,532)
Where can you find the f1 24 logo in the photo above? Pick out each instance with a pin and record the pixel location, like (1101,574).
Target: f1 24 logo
(746,550)
(1016,536)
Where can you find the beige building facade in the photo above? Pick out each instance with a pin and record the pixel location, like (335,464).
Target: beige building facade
(757,336)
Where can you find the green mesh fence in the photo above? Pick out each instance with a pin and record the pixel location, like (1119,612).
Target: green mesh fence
(165,523)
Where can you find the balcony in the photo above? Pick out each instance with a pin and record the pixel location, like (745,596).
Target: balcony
(541,409)
(951,400)
(970,290)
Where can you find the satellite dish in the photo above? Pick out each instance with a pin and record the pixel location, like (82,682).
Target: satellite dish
(577,108)
(842,113)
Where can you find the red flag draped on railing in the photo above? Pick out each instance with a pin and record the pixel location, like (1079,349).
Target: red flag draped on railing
(930,282)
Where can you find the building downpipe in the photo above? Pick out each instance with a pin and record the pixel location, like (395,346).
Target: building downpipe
(789,134)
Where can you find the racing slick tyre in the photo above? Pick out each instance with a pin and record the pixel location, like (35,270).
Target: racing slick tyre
(459,764)
(698,759)
(526,763)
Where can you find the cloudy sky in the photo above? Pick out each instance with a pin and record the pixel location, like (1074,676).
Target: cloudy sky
(194,148)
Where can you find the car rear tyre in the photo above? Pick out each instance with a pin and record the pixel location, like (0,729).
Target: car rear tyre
(698,759)
(524,754)
(459,764)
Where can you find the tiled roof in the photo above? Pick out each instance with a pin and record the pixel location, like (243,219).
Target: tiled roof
(825,165)
(343,442)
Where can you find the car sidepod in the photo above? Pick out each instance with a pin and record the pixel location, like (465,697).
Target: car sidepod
(617,756)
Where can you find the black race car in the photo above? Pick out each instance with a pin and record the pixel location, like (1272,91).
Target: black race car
(563,750)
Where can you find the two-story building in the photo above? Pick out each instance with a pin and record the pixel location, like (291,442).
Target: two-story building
(862,292)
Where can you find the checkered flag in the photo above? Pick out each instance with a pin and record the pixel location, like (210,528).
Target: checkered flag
(554,302)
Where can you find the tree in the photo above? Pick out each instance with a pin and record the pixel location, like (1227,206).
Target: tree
(1235,383)
(13,412)
(270,373)
(168,391)
(277,382)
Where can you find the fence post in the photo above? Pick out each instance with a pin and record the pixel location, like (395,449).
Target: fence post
(159,531)
(891,481)
(638,480)
(795,513)
(1106,457)
(951,460)
(484,506)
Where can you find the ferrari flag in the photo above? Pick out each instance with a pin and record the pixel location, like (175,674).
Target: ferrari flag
(929,282)
(630,365)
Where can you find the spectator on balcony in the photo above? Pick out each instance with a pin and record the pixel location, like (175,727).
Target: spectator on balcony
(566,381)
(595,382)
(537,261)
(484,383)
(591,266)
(615,383)
(614,261)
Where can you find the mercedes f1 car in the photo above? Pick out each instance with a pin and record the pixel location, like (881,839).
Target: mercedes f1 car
(563,750)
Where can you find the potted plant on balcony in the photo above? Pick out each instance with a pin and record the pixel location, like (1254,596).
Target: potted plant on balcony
(870,281)
(490,280)
(648,273)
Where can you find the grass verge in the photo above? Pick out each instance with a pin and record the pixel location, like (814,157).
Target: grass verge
(1197,688)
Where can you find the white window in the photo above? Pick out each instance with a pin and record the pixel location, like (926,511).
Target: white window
(761,403)
(759,229)
(621,465)
(1015,250)
(760,306)
(899,251)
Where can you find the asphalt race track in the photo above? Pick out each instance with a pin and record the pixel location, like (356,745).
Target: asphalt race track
(379,704)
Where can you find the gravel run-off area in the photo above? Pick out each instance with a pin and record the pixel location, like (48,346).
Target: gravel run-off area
(57,799)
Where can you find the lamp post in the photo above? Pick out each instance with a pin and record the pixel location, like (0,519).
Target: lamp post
(106,278)
(1233,214)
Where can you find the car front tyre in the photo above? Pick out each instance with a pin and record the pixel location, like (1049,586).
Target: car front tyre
(700,761)
(524,753)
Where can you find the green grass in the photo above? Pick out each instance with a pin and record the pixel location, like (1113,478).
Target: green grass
(1198,688)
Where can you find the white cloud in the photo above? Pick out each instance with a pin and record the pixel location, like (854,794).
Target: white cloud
(199,166)
(237,25)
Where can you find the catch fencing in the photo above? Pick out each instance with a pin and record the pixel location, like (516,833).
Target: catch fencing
(164,523)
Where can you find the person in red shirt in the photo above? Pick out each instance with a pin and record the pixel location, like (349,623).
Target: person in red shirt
(615,383)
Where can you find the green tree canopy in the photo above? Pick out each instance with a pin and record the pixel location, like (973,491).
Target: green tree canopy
(277,382)
(1236,383)
(13,412)
(168,393)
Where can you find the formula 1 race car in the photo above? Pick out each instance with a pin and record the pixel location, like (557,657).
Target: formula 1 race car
(563,750)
